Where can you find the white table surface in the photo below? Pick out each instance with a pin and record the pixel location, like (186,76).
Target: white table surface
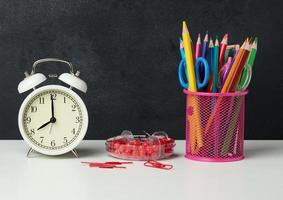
(259,176)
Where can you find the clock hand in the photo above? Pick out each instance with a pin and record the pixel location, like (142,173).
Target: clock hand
(52,106)
(50,128)
(52,120)
(44,125)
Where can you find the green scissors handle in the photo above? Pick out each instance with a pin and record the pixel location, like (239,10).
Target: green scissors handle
(245,78)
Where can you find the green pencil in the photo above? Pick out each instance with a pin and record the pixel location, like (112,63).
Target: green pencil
(250,62)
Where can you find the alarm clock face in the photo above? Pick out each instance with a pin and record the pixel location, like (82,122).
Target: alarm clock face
(53,120)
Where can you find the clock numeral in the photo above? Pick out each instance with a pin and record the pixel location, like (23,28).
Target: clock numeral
(78,119)
(32,131)
(41,139)
(74,108)
(53,96)
(28,120)
(33,109)
(64,99)
(65,140)
(73,131)
(41,100)
(53,143)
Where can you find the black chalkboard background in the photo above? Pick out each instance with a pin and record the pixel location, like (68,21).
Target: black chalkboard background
(127,52)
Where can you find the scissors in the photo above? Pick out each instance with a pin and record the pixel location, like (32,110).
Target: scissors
(245,78)
(200,62)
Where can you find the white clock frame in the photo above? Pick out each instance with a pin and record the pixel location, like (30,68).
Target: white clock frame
(81,135)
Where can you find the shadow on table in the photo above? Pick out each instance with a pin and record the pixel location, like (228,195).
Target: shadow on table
(93,151)
(82,153)
(261,150)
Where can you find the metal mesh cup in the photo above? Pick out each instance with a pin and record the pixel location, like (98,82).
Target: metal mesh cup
(215,126)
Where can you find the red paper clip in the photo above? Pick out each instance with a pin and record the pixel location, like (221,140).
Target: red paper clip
(107,165)
(155,164)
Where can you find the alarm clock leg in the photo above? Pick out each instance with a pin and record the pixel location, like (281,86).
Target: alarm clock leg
(29,151)
(74,151)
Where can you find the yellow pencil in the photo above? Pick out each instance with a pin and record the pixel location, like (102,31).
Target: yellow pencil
(194,125)
(189,58)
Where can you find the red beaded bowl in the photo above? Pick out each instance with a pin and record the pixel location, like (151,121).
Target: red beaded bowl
(140,147)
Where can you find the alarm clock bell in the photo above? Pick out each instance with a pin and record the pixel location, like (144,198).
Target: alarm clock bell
(74,81)
(31,81)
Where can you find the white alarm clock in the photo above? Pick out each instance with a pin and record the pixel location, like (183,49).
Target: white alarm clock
(53,119)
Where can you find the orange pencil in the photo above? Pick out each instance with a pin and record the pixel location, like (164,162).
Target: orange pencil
(228,82)
(240,67)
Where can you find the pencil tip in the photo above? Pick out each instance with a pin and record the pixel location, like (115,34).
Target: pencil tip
(216,40)
(185,29)
(255,40)
(206,37)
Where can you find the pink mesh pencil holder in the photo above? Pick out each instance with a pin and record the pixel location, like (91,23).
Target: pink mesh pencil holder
(215,126)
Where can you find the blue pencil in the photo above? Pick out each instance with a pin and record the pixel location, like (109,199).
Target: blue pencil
(204,52)
(182,49)
(204,45)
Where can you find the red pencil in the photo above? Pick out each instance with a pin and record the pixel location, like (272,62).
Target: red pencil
(223,46)
(198,47)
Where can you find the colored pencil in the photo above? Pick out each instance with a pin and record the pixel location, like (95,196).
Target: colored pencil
(204,45)
(231,129)
(189,58)
(211,55)
(198,47)
(228,82)
(194,120)
(182,48)
(249,62)
(204,49)
(240,68)
(210,59)
(215,65)
(223,46)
